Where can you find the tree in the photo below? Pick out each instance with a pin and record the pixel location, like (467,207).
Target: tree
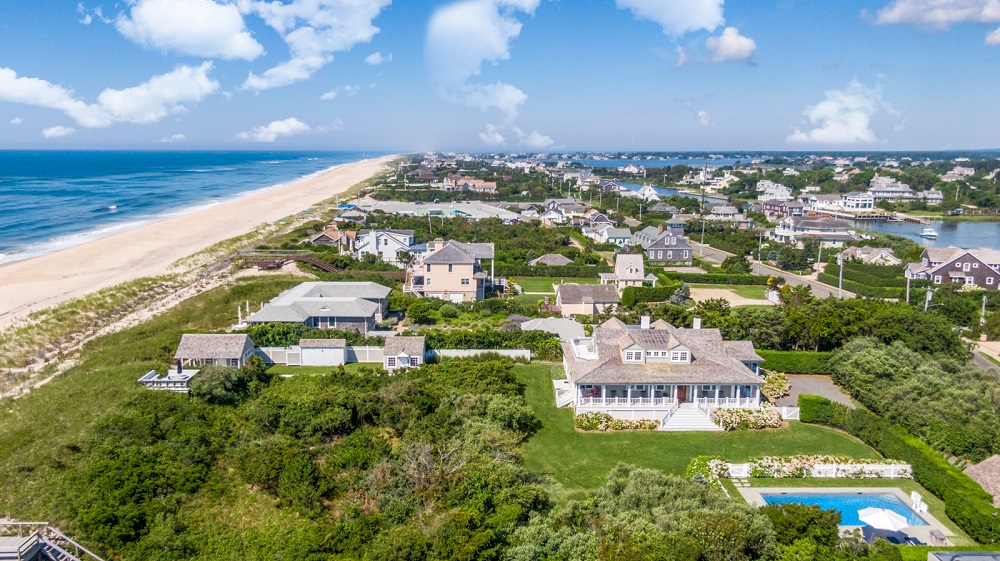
(419,312)
(219,385)
(736,265)
(795,521)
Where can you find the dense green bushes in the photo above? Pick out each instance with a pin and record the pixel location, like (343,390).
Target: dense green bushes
(543,345)
(796,362)
(285,334)
(633,295)
(567,271)
(965,501)
(863,289)
(709,278)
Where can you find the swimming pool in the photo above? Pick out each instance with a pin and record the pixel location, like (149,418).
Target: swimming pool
(848,504)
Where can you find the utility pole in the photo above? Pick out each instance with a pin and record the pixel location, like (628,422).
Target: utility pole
(907,289)
(840,289)
(760,247)
(703,236)
(982,315)
(927,300)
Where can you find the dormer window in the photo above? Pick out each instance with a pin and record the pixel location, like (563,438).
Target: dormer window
(633,356)
(680,356)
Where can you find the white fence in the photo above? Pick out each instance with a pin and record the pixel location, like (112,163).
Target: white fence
(855,471)
(789,413)
(363,354)
(292,356)
(462,353)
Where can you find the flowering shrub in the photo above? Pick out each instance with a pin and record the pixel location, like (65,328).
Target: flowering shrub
(603,422)
(747,419)
(707,470)
(804,466)
(775,385)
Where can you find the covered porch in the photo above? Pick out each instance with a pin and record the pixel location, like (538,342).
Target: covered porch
(706,396)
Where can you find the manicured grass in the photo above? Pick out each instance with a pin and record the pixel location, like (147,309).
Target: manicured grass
(990,358)
(530,299)
(752,292)
(283,369)
(580,462)
(544,284)
(934,505)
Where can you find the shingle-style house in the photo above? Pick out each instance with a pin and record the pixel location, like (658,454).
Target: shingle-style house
(940,265)
(658,371)
(551,260)
(831,232)
(585,299)
(618,236)
(223,349)
(451,271)
(664,246)
(870,255)
(629,271)
(387,245)
(334,236)
(403,352)
(349,306)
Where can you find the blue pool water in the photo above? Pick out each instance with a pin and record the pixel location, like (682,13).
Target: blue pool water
(848,504)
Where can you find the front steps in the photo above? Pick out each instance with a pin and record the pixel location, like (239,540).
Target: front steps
(689,418)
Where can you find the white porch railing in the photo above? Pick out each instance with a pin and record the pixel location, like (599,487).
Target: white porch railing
(670,413)
(727,403)
(626,401)
(789,413)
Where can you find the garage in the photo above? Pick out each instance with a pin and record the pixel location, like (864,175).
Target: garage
(322,352)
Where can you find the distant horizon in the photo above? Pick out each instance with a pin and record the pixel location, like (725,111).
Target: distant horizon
(818,153)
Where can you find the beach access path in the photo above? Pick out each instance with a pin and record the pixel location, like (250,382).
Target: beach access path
(47,280)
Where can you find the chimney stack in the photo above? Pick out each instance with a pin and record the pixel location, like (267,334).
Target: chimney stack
(644,322)
(660,229)
(697,322)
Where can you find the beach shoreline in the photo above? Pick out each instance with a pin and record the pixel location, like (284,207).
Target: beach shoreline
(42,281)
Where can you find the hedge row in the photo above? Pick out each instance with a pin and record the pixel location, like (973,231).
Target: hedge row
(796,362)
(965,501)
(568,271)
(862,289)
(545,346)
(717,278)
(833,270)
(633,295)
(881,271)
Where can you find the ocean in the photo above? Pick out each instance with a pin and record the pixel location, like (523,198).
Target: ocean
(51,200)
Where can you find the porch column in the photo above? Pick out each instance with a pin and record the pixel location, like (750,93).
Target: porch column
(604,392)
(737,392)
(628,392)
(717,388)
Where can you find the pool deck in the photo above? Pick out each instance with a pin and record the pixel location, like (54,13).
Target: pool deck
(753,496)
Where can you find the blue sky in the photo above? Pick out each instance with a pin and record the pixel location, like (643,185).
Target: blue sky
(505,75)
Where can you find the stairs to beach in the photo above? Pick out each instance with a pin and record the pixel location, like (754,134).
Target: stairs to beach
(689,418)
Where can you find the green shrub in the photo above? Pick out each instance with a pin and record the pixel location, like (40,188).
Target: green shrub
(448,311)
(718,278)
(965,501)
(567,271)
(795,362)
(598,421)
(776,386)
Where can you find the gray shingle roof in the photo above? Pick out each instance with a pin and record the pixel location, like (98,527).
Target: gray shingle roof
(987,474)
(624,262)
(212,346)
(323,299)
(551,259)
(323,343)
(410,346)
(460,253)
(586,294)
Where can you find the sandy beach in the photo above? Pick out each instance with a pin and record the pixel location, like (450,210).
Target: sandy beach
(43,281)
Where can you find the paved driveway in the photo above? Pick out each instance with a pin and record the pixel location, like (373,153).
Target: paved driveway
(813,384)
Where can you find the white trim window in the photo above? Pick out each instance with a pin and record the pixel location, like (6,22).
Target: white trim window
(989,281)
(633,356)
(465,282)
(937,279)
(679,356)
(390,361)
(414,361)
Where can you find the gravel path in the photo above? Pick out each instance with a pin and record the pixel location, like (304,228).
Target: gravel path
(813,384)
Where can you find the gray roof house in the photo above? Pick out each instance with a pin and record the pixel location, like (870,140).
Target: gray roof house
(585,299)
(403,352)
(349,306)
(551,260)
(658,371)
(204,349)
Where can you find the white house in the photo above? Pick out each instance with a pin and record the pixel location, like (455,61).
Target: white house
(888,189)
(858,201)
(385,244)
(770,191)
(658,371)
(403,352)
(198,349)
(831,232)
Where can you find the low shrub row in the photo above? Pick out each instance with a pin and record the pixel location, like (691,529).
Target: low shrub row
(747,419)
(965,501)
(568,271)
(603,422)
(718,278)
(795,362)
(633,295)
(863,289)
(543,345)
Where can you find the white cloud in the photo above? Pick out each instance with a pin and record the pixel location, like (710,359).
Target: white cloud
(313,31)
(940,14)
(347,90)
(16,121)
(994,37)
(730,46)
(173,138)
(491,136)
(375,59)
(89,15)
(704,119)
(677,17)
(535,140)
(200,28)
(484,30)
(146,103)
(336,125)
(58,131)
(844,117)
(271,132)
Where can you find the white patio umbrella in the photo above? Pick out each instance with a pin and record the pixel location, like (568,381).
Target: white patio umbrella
(882,519)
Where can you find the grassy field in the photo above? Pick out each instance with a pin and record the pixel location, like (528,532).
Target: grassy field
(580,461)
(544,284)
(752,292)
(934,505)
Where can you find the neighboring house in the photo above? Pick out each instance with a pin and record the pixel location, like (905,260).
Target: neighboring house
(931,196)
(585,299)
(178,380)
(451,271)
(831,232)
(857,201)
(385,244)
(566,328)
(648,193)
(352,215)
(658,371)
(870,255)
(197,349)
(676,225)
(334,236)
(723,212)
(771,191)
(551,260)
(629,271)
(822,202)
(321,352)
(349,306)
(618,236)
(403,352)
(553,216)
(940,265)
(671,248)
(888,189)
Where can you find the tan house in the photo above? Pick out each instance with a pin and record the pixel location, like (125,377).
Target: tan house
(451,271)
(403,352)
(585,299)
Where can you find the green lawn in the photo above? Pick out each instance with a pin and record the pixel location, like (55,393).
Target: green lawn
(544,284)
(990,358)
(282,369)
(580,462)
(934,505)
(753,292)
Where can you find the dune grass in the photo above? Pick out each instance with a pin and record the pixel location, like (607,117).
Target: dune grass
(580,462)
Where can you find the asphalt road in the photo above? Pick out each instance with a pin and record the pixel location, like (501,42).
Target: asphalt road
(818,289)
